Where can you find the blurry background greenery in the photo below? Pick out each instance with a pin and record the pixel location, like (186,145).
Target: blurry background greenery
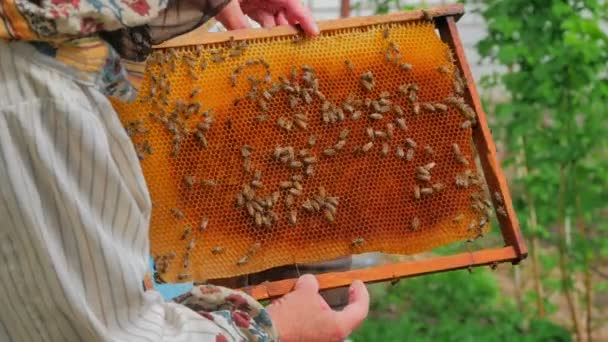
(548,109)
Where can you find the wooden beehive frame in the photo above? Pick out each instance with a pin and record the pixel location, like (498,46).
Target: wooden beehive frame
(445,18)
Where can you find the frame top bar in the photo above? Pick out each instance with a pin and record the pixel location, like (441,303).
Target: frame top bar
(196,38)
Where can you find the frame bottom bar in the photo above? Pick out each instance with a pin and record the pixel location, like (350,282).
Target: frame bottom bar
(393,271)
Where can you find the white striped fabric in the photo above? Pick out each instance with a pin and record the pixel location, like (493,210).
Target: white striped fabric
(74,215)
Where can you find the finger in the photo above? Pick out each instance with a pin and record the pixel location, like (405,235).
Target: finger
(307,283)
(266,20)
(297,13)
(281,19)
(355,312)
(232,17)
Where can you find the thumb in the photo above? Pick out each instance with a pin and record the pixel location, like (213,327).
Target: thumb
(307,283)
(358,306)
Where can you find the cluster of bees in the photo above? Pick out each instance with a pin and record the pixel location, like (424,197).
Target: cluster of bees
(301,88)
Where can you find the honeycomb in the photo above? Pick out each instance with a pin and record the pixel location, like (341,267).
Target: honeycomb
(285,150)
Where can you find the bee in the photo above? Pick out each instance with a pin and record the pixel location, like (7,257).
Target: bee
(441,107)
(344,134)
(328,215)
(217,58)
(458,218)
(368,146)
(428,107)
(466,124)
(242,261)
(410,142)
(409,155)
(398,110)
(263,105)
(295,192)
(456,150)
(301,124)
(256,183)
(498,197)
(312,140)
(322,191)
(423,177)
(426,191)
(201,139)
(462,181)
(258,219)
(339,145)
(247,165)
(329,152)
(246,151)
(376,116)
(416,108)
(183,276)
(385,150)
(186,233)
(293,217)
(501,211)
(443,69)
(356,115)
(177,213)
(415,224)
(186,259)
(438,187)
(417,192)
(191,244)
(406,66)
(429,150)
(261,118)
(386,33)
(380,134)
(367,85)
(349,65)
(239,200)
(429,166)
(357,242)
(401,123)
(390,130)
(400,152)
(204,223)
(295,164)
(309,171)
(218,250)
(307,205)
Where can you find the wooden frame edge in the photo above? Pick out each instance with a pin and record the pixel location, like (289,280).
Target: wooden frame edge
(486,148)
(387,272)
(196,38)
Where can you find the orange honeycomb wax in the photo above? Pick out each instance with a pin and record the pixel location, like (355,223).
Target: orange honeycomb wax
(375,205)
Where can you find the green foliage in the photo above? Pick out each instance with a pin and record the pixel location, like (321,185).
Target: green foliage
(455,306)
(553,124)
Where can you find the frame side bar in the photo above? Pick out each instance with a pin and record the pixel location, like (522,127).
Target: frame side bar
(393,271)
(483,141)
(196,38)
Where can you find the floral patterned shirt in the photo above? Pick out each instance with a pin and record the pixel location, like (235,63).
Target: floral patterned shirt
(92,36)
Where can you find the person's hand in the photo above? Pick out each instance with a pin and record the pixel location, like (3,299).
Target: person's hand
(268,13)
(303,315)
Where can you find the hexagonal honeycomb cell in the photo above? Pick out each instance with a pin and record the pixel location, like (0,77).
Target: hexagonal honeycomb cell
(278,151)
